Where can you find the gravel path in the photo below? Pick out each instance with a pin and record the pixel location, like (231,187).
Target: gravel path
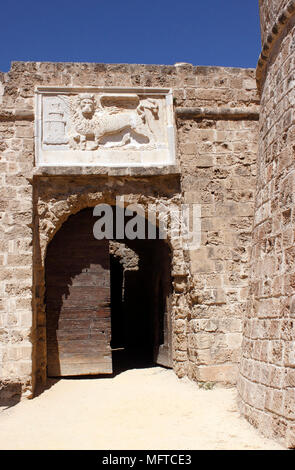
(138,409)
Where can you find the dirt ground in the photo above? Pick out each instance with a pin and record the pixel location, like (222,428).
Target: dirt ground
(138,409)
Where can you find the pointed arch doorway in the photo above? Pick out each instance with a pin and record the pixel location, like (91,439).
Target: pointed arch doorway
(99,311)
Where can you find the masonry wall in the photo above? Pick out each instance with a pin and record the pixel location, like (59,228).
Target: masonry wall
(270,11)
(267,381)
(16,272)
(216,153)
(218,166)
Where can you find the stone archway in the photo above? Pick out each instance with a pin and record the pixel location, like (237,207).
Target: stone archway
(52,208)
(95,324)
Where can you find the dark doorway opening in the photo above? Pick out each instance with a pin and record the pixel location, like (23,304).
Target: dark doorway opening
(140,303)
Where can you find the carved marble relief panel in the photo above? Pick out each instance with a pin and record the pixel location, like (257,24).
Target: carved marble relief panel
(104,127)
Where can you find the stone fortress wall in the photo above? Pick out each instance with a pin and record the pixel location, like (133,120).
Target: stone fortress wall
(215,111)
(267,380)
(233,297)
(270,12)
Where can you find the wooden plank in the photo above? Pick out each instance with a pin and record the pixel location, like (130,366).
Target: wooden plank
(55,334)
(78,313)
(76,324)
(81,335)
(89,347)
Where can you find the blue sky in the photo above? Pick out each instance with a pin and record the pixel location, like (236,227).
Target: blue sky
(202,32)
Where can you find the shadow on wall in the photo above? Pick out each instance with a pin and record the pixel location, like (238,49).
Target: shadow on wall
(10,393)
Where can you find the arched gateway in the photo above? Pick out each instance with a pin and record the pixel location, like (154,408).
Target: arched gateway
(96,133)
(107,302)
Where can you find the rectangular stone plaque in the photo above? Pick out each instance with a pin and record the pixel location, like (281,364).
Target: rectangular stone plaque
(113,127)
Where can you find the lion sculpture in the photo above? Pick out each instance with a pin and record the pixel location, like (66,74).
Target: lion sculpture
(92,123)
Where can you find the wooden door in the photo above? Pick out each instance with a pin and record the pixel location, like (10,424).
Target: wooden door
(163,330)
(162,307)
(78,310)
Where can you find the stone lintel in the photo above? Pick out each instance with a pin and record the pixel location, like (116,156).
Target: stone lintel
(106,171)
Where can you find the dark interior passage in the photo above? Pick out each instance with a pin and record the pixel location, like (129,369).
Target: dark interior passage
(140,303)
